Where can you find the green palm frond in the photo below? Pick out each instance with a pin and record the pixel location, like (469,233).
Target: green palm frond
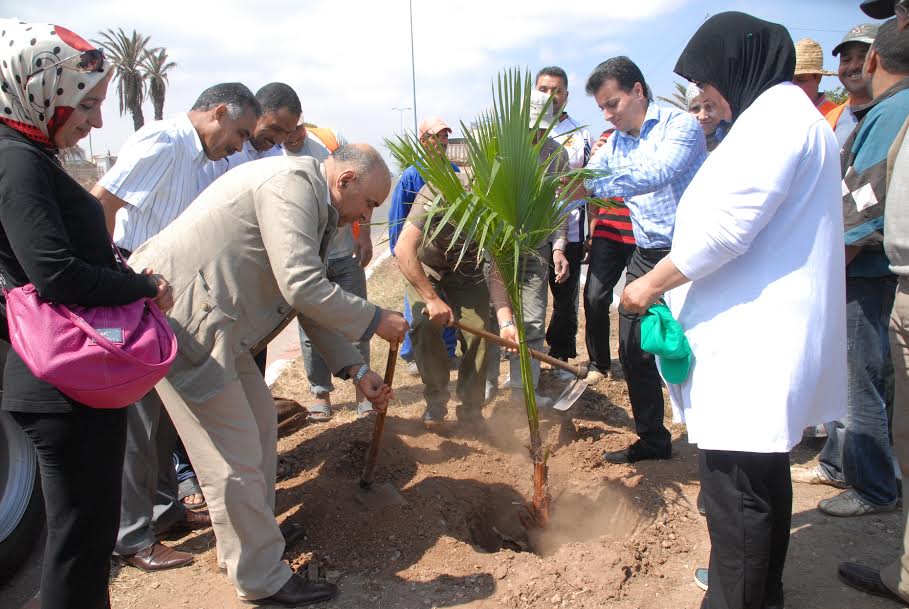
(511,203)
(678,98)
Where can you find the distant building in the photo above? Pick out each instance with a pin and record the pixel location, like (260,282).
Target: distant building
(85,171)
(457,151)
(104,162)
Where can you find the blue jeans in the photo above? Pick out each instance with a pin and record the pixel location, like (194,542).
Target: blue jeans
(858,450)
(449,335)
(350,277)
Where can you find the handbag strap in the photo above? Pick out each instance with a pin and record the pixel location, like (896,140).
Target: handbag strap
(111,347)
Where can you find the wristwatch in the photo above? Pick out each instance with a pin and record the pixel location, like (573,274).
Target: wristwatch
(361,373)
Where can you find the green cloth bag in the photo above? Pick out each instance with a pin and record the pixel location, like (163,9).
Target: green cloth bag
(662,335)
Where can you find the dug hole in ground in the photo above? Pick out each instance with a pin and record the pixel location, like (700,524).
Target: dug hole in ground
(621,536)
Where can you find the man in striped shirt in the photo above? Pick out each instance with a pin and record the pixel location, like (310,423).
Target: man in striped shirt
(649,161)
(159,172)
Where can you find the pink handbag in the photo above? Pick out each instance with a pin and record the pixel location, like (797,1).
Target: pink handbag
(103,357)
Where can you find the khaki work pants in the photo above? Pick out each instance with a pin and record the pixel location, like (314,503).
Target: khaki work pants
(231,440)
(468,297)
(896,574)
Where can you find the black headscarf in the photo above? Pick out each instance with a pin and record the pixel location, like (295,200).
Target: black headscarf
(742,56)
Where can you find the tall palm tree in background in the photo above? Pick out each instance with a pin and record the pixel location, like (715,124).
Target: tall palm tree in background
(678,98)
(509,207)
(127,52)
(155,66)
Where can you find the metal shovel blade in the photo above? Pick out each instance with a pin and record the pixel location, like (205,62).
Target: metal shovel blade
(378,496)
(571,394)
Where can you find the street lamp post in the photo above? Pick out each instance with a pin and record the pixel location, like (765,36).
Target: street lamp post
(413,69)
(401,114)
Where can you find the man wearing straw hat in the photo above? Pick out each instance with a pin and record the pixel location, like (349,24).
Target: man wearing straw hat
(809,69)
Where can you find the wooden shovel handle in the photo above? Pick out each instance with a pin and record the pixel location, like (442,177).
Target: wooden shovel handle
(578,371)
(369,470)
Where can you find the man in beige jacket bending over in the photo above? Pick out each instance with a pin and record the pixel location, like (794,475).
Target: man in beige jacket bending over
(243,259)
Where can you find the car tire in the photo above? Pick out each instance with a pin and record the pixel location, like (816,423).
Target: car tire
(21,500)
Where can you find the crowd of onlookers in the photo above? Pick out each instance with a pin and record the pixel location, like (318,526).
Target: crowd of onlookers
(763,221)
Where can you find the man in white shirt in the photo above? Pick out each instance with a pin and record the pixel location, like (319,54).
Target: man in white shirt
(561,335)
(347,258)
(159,172)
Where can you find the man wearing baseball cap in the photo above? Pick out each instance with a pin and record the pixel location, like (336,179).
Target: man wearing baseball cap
(884,9)
(851,51)
(809,69)
(433,133)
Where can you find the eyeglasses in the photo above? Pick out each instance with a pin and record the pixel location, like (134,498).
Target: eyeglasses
(87,61)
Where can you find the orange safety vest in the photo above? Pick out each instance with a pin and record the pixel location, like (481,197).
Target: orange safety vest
(833,117)
(328,137)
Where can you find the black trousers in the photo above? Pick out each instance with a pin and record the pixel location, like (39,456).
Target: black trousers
(561,335)
(645,386)
(608,260)
(80,455)
(748,497)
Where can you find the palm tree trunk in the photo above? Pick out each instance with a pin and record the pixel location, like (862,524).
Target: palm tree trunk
(138,117)
(539,508)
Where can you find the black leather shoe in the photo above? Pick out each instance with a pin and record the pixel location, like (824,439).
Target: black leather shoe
(636,452)
(299,591)
(292,532)
(867,580)
(156,557)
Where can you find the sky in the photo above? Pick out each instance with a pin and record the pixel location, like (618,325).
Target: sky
(350,60)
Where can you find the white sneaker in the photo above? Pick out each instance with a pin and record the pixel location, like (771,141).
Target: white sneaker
(594,376)
(814,475)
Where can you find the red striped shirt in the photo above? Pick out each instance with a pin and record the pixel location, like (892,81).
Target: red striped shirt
(614,223)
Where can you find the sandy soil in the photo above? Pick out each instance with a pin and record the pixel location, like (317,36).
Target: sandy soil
(622,536)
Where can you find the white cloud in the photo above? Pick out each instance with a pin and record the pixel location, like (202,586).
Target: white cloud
(350,61)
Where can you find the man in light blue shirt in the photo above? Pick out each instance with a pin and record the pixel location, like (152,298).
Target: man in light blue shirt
(649,162)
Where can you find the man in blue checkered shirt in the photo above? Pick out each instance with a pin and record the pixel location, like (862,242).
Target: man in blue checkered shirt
(650,161)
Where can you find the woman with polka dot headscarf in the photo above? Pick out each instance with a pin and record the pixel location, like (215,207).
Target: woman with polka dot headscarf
(53,235)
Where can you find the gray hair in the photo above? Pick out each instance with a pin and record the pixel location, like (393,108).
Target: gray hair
(363,158)
(236,96)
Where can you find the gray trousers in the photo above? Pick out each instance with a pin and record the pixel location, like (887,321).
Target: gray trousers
(534,297)
(148,503)
(350,277)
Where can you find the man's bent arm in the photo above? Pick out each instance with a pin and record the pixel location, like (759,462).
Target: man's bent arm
(409,263)
(110,204)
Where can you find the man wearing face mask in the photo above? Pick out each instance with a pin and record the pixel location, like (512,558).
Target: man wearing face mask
(561,335)
(851,52)
(247,256)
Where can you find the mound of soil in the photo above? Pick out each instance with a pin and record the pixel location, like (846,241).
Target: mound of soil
(622,536)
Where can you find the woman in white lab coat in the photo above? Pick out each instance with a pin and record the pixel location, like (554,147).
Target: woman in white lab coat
(755,278)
